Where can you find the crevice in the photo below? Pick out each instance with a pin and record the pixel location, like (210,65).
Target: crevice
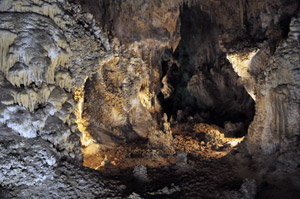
(202,85)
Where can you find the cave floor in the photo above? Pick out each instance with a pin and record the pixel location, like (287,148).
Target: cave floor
(199,141)
(210,179)
(200,166)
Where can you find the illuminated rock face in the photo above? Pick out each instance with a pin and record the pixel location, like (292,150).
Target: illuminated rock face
(40,68)
(150,58)
(113,106)
(39,71)
(276,128)
(270,77)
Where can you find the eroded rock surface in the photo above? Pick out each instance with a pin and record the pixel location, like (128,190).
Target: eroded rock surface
(41,45)
(122,72)
(33,168)
(276,128)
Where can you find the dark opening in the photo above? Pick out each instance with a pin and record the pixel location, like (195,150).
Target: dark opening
(198,82)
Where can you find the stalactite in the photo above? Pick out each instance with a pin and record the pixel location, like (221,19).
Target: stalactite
(30,98)
(27,98)
(63,79)
(44,93)
(241,2)
(6,39)
(51,10)
(57,60)
(19,74)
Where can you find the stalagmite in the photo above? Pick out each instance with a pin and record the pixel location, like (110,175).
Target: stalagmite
(137,82)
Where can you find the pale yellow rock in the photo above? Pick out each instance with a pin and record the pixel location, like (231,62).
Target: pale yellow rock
(30,98)
(145,94)
(40,7)
(27,98)
(63,79)
(21,75)
(6,61)
(59,60)
(44,93)
(86,139)
(241,64)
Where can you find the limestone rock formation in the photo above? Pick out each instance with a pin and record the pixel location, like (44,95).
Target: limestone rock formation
(275,128)
(114,105)
(78,73)
(45,54)
(34,168)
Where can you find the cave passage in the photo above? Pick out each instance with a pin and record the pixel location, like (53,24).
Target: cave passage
(204,109)
(198,82)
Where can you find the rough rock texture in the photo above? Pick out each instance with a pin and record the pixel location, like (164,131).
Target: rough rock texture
(168,71)
(113,107)
(153,57)
(275,128)
(47,48)
(195,76)
(132,77)
(40,69)
(33,168)
(271,77)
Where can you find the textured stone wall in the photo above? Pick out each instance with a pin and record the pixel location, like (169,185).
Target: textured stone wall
(48,49)
(52,52)
(276,127)
(251,33)
(269,73)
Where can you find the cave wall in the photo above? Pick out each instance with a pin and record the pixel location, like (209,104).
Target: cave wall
(113,106)
(124,91)
(268,72)
(275,129)
(50,48)
(237,29)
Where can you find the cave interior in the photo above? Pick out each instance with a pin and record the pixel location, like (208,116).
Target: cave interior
(149,99)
